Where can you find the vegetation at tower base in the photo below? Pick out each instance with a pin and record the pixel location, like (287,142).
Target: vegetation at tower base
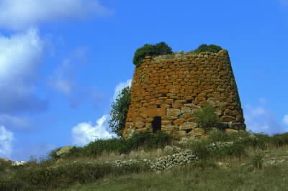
(206,117)
(151,50)
(222,161)
(96,148)
(119,111)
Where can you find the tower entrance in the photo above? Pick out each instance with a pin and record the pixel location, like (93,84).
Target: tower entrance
(156,124)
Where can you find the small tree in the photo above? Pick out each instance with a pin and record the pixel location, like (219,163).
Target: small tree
(206,117)
(119,111)
(208,48)
(151,50)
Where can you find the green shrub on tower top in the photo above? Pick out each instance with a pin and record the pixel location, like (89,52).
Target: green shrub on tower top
(151,50)
(208,48)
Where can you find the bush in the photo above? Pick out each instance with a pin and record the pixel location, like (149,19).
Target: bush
(151,50)
(141,140)
(236,149)
(96,148)
(119,111)
(279,140)
(51,178)
(4,165)
(257,161)
(13,185)
(218,146)
(206,117)
(257,141)
(148,141)
(201,149)
(217,135)
(208,48)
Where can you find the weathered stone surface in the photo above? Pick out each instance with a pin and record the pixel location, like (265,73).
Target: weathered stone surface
(182,133)
(151,112)
(169,127)
(227,118)
(188,125)
(139,124)
(178,122)
(166,122)
(228,112)
(197,132)
(173,87)
(186,110)
(173,113)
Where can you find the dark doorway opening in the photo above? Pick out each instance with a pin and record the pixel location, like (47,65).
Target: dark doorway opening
(156,124)
(189,101)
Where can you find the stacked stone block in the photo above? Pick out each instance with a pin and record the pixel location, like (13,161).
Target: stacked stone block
(173,87)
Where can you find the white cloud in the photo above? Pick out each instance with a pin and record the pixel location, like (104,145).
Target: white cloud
(260,119)
(86,132)
(6,138)
(19,56)
(19,59)
(120,87)
(20,14)
(285,119)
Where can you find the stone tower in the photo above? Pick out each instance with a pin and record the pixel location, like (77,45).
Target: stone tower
(167,90)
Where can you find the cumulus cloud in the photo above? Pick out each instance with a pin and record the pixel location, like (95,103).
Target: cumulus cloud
(285,119)
(19,14)
(20,55)
(6,138)
(19,59)
(86,132)
(120,87)
(260,119)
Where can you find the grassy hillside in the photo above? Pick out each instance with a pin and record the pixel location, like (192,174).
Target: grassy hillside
(226,174)
(239,161)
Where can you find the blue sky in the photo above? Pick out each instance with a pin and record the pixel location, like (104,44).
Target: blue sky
(63,61)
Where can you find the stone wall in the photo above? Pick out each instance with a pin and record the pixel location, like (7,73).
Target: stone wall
(173,87)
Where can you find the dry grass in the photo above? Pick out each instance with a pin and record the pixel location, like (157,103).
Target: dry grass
(258,167)
(238,178)
(226,174)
